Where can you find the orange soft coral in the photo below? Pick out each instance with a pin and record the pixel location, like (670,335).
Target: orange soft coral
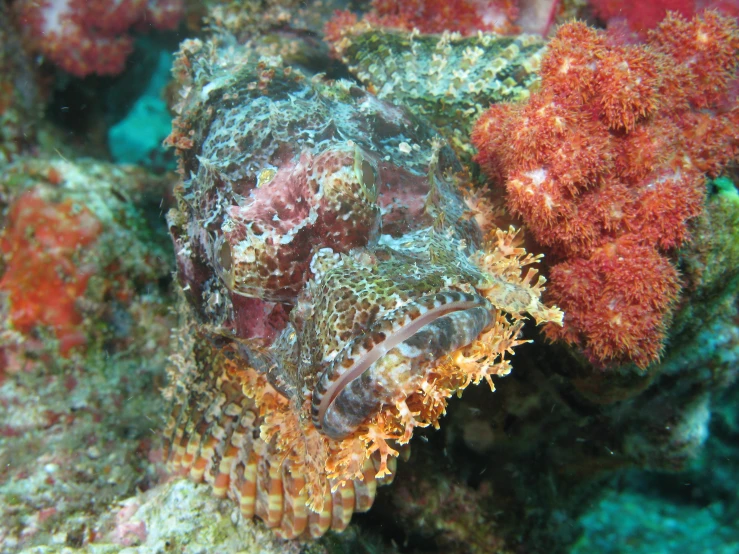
(612,150)
(43,277)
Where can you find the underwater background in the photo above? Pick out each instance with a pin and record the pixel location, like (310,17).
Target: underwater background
(252,254)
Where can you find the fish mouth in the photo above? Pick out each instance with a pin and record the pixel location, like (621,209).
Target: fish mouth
(416,336)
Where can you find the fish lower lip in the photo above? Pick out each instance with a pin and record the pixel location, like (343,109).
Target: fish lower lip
(350,389)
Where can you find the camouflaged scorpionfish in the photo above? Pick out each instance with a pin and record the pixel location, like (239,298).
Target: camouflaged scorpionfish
(338,284)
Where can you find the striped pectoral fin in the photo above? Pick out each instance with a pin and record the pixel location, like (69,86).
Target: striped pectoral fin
(295,519)
(366,489)
(204,459)
(320,522)
(182,418)
(343,506)
(275,497)
(184,441)
(191,448)
(222,480)
(170,431)
(247,488)
(178,452)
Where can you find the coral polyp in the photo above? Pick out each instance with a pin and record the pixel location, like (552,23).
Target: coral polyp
(334,223)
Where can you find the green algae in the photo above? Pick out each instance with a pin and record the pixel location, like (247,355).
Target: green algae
(710,262)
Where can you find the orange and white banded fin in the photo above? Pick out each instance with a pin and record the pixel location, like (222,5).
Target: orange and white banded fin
(343,506)
(320,522)
(275,497)
(216,437)
(366,489)
(247,490)
(295,519)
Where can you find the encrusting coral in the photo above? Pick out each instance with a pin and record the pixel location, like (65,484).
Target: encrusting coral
(40,235)
(605,164)
(73,256)
(339,287)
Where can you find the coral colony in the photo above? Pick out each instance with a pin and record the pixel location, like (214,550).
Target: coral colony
(605,164)
(372,210)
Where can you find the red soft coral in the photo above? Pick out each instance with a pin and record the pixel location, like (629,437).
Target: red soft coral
(624,290)
(43,277)
(707,48)
(640,17)
(607,160)
(466,17)
(436,16)
(90,36)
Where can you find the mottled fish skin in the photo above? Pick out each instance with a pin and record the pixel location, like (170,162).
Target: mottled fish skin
(448,79)
(331,265)
(285,172)
(280,166)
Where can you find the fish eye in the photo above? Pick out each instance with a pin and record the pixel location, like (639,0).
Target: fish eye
(369,178)
(224,256)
